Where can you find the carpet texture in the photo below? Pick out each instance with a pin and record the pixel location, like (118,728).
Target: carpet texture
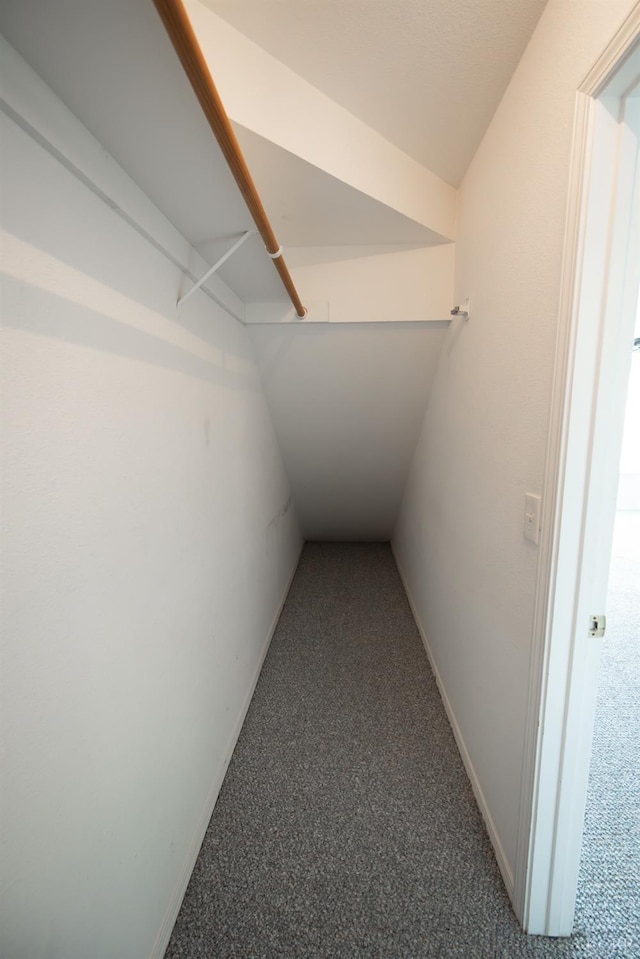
(608,898)
(346,825)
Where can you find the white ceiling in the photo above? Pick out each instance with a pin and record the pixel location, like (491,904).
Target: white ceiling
(309,207)
(426,74)
(112,64)
(347,405)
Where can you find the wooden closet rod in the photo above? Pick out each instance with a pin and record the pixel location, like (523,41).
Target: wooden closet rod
(183,38)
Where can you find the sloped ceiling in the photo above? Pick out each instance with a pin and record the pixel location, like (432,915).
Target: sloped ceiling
(347,404)
(112,64)
(309,207)
(347,401)
(426,74)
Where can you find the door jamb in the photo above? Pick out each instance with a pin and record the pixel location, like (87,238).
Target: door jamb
(561,702)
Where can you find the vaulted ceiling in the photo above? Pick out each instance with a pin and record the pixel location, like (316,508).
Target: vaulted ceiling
(355,117)
(426,74)
(357,120)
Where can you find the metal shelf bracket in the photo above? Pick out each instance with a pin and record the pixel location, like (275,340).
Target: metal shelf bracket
(217,265)
(462,310)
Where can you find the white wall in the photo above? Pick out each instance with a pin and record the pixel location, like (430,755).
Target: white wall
(347,398)
(371,284)
(148,539)
(459,542)
(347,404)
(629,484)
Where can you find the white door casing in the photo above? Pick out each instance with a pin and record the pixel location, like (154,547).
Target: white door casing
(599,290)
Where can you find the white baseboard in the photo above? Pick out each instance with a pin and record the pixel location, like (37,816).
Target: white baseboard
(501,858)
(164,933)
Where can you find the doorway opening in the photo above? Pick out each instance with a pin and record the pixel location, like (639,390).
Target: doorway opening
(608,883)
(601,274)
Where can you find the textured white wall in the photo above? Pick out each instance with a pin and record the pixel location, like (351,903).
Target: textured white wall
(629,485)
(147,541)
(370,284)
(347,406)
(459,537)
(347,401)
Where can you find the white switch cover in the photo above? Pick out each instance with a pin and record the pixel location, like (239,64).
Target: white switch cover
(532,505)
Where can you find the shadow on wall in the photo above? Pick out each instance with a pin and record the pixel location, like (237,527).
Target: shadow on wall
(58,318)
(347,404)
(72,259)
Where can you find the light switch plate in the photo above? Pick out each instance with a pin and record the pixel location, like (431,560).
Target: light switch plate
(532,508)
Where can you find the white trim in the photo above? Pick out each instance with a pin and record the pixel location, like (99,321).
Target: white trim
(586,379)
(611,65)
(27,100)
(501,858)
(166,927)
(319,313)
(548,556)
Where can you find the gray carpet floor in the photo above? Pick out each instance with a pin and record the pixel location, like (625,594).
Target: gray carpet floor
(608,902)
(346,825)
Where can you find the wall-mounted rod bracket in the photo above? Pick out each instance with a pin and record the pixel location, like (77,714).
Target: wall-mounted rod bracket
(462,309)
(217,265)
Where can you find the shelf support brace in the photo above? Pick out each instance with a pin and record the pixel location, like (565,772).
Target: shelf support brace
(217,265)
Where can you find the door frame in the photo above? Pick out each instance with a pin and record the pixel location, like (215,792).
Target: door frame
(599,290)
